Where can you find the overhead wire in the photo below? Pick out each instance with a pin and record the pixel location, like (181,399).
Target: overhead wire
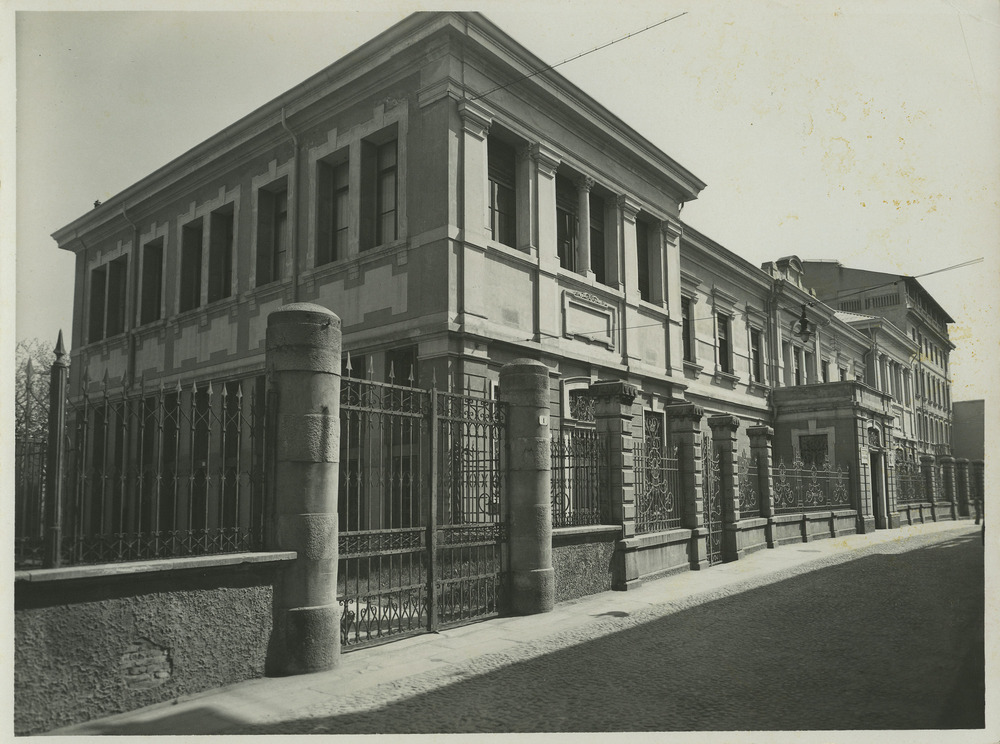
(578,56)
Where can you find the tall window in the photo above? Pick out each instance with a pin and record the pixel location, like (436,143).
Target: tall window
(725,347)
(332,202)
(797,361)
(598,263)
(756,361)
(108,284)
(191,236)
(220,254)
(566,223)
(272,232)
(642,251)
(825,371)
(687,329)
(152,281)
(503,216)
(385,225)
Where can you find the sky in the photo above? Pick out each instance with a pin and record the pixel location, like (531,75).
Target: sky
(866,132)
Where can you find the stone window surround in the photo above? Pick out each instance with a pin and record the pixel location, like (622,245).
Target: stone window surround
(203,212)
(388,116)
(96,259)
(723,306)
(156,232)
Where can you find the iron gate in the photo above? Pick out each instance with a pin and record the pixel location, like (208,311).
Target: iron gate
(711,500)
(422,515)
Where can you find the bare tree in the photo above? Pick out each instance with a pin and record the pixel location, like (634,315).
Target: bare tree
(33,359)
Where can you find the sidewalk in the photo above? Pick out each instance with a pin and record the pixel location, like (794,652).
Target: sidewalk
(372,677)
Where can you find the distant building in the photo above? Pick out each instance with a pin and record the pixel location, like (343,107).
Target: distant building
(910,308)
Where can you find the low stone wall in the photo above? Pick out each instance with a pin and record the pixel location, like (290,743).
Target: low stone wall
(915,513)
(97,640)
(751,535)
(812,525)
(583,559)
(654,555)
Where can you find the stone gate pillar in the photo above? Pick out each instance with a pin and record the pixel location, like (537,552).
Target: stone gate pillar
(685,428)
(724,441)
(303,361)
(962,485)
(613,415)
(760,450)
(948,477)
(927,470)
(524,386)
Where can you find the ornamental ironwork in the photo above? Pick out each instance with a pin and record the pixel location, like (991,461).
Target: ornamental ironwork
(749,485)
(582,406)
(910,486)
(579,477)
(801,488)
(711,499)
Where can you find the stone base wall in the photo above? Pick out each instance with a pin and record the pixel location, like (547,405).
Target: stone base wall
(94,641)
(816,525)
(916,513)
(583,560)
(653,555)
(751,535)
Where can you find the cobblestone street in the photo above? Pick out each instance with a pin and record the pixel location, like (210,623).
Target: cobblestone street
(877,642)
(885,636)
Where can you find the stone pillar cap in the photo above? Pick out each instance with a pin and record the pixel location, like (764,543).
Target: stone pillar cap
(299,312)
(524,363)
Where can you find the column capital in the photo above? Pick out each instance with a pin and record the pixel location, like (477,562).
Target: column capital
(760,432)
(546,159)
(584,183)
(630,208)
(685,412)
(476,120)
(625,392)
(670,229)
(724,421)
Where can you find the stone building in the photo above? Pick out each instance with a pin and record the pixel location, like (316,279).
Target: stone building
(902,301)
(457,214)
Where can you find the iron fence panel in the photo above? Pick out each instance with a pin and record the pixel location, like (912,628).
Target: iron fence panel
(579,467)
(749,485)
(658,502)
(799,488)
(711,500)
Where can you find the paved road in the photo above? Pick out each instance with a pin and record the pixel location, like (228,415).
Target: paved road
(890,640)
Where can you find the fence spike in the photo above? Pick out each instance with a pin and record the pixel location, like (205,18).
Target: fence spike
(434,377)
(411,377)
(126,383)
(371,369)
(348,368)
(209,391)
(60,349)
(225,392)
(179,386)
(392,372)
(239,390)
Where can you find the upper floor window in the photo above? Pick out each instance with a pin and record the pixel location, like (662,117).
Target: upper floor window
(332,206)
(824,371)
(503,193)
(566,222)
(272,232)
(152,281)
(220,254)
(756,360)
(190,284)
(725,349)
(108,284)
(642,251)
(598,259)
(379,192)
(687,329)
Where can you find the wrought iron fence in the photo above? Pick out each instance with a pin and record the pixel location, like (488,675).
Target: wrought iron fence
(658,498)
(910,486)
(421,509)
(749,485)
(579,462)
(149,473)
(800,488)
(29,501)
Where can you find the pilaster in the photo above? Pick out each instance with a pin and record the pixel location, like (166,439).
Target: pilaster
(685,428)
(724,441)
